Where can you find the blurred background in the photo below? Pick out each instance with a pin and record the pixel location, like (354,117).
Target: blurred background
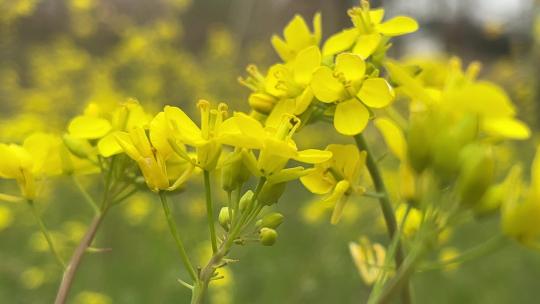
(58,55)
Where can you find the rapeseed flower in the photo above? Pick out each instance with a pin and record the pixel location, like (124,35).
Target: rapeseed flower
(352,90)
(338,177)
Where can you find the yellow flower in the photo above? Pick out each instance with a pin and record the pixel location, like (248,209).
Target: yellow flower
(461,94)
(297,37)
(275,144)
(286,86)
(368,258)
(352,90)
(204,139)
(520,216)
(369,32)
(338,176)
(35,160)
(151,152)
(94,125)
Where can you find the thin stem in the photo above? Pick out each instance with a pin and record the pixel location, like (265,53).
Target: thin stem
(91,202)
(46,234)
(207,273)
(174,231)
(386,208)
(76,258)
(481,250)
(210,211)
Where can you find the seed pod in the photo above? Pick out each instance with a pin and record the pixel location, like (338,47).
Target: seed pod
(268,236)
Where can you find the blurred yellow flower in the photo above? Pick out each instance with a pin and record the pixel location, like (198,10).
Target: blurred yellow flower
(297,37)
(368,32)
(6,217)
(91,297)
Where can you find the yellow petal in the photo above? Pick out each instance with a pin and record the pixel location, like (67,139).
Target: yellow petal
(313,156)
(399,25)
(89,127)
(325,86)
(376,93)
(376,15)
(393,136)
(281,47)
(317,182)
(297,33)
(340,42)
(277,75)
(303,101)
(347,160)
(305,64)
(482,98)
(125,141)
(351,66)
(351,117)
(317,28)
(9,163)
(160,134)
(180,122)
(282,107)
(410,86)
(289,174)
(108,146)
(506,127)
(339,198)
(45,152)
(366,45)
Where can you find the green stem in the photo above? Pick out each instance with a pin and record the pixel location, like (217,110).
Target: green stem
(91,202)
(46,234)
(210,211)
(174,231)
(478,251)
(386,208)
(206,274)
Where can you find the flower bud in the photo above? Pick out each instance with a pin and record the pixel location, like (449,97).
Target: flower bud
(268,236)
(78,147)
(477,173)
(271,193)
(224,218)
(234,172)
(449,143)
(272,220)
(261,102)
(419,145)
(246,201)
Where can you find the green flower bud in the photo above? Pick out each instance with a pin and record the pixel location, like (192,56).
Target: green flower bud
(477,173)
(224,218)
(261,102)
(272,220)
(271,193)
(419,144)
(449,143)
(246,201)
(234,172)
(268,236)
